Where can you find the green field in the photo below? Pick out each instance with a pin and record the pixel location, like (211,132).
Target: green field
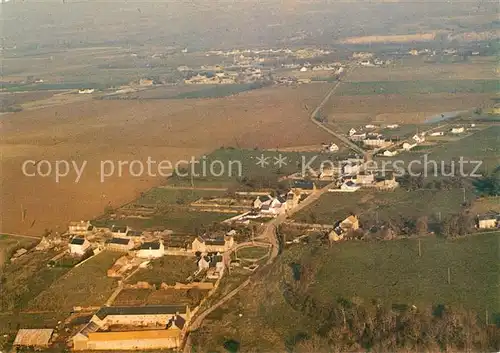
(168,269)
(157,196)
(392,271)
(384,206)
(242,164)
(252,253)
(178,220)
(219,91)
(417,87)
(86,285)
(25,278)
(481,146)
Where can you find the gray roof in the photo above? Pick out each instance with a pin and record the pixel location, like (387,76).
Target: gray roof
(141,310)
(155,245)
(119,229)
(119,241)
(77,241)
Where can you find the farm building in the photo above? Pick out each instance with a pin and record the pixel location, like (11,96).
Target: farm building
(350,223)
(117,231)
(78,246)
(129,340)
(172,318)
(304,186)
(151,250)
(37,338)
(206,243)
(80,228)
(120,244)
(457,130)
(488,221)
(261,200)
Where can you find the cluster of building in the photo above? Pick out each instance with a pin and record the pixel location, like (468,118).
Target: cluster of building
(369,60)
(211,79)
(371,139)
(343,227)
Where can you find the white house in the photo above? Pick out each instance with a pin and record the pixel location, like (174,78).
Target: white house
(418,138)
(80,228)
(262,200)
(358,136)
(437,133)
(332,147)
(78,246)
(370,126)
(407,146)
(119,231)
(86,91)
(392,126)
(303,69)
(388,153)
(352,168)
(151,250)
(349,186)
(352,131)
(206,243)
(457,130)
(276,207)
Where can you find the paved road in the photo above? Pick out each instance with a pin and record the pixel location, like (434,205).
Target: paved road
(21,236)
(339,136)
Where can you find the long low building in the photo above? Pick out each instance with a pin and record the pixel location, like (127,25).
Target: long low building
(130,340)
(98,334)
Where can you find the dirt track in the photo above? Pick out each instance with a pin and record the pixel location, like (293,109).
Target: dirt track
(93,131)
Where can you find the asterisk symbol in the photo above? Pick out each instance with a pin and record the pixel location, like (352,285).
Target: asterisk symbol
(262,161)
(280,161)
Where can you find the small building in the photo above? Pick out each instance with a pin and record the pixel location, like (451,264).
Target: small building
(262,200)
(386,183)
(120,244)
(376,142)
(151,250)
(78,246)
(437,133)
(336,235)
(457,130)
(80,228)
(370,126)
(352,131)
(332,147)
(388,153)
(392,126)
(357,137)
(351,223)
(418,138)
(145,82)
(207,243)
(303,186)
(292,199)
(34,338)
(408,146)
(364,178)
(349,186)
(119,231)
(275,207)
(488,221)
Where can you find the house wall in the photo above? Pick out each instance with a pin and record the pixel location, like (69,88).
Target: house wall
(140,320)
(487,223)
(134,344)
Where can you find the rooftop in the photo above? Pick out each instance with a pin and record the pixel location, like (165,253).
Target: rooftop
(155,245)
(33,337)
(141,310)
(77,241)
(136,335)
(119,241)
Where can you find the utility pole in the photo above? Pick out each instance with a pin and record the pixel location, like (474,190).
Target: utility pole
(419,249)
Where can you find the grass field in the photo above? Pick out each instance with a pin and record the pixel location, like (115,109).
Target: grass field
(86,285)
(392,271)
(168,269)
(25,278)
(255,252)
(244,163)
(418,87)
(9,244)
(172,196)
(178,220)
(481,146)
(385,206)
